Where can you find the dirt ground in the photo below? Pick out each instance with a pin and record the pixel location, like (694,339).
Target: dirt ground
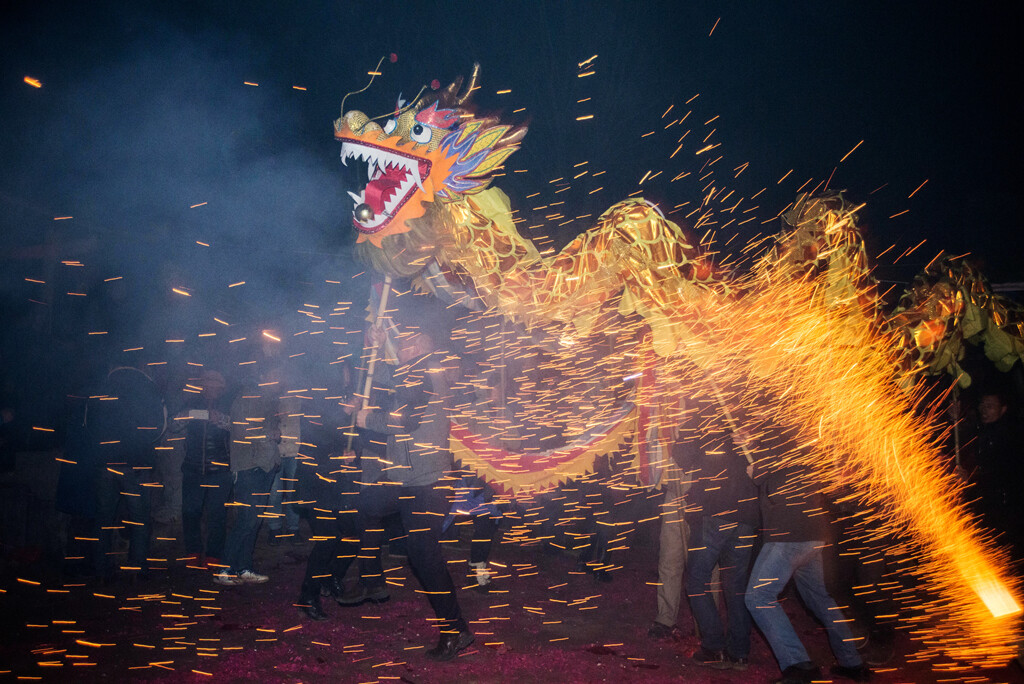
(543,621)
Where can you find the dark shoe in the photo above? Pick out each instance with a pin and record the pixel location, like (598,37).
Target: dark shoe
(309,604)
(860,673)
(333,587)
(660,632)
(296,538)
(309,601)
(450,645)
(360,594)
(801,673)
(707,658)
(728,662)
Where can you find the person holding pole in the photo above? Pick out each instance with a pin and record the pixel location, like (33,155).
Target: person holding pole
(409,480)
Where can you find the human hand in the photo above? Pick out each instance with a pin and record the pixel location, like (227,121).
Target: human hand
(351,405)
(375,336)
(361,417)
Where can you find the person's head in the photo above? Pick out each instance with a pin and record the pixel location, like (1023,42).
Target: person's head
(212,384)
(421,325)
(991,407)
(413,343)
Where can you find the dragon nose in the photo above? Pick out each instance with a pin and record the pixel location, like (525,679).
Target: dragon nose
(355,122)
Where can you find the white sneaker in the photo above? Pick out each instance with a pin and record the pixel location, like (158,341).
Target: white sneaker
(250,577)
(225,578)
(482,573)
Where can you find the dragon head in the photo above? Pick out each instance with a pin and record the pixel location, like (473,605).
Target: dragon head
(432,148)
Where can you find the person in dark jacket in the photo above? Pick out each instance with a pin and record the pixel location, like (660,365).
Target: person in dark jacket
(723,516)
(125,422)
(408,480)
(999,471)
(206,469)
(327,489)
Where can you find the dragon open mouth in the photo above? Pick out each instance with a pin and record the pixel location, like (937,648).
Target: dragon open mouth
(394,178)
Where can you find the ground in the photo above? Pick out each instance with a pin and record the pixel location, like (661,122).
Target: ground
(543,621)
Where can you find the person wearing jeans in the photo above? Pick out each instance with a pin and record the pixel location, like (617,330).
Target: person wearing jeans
(252,491)
(255,457)
(795,530)
(205,470)
(284,513)
(777,563)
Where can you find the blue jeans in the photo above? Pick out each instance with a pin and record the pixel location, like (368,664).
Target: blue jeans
(777,562)
(212,490)
(283,490)
(731,549)
(252,491)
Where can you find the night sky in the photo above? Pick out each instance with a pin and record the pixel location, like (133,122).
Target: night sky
(144,112)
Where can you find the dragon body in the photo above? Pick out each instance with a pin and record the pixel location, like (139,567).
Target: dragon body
(801,344)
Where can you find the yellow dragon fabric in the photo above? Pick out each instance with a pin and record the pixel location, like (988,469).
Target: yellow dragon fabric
(800,343)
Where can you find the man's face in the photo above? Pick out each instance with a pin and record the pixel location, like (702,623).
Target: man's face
(990,409)
(213,391)
(409,347)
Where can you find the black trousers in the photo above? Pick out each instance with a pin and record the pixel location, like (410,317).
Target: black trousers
(422,510)
(335,547)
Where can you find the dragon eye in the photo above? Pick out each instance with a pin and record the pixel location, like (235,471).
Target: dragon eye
(420,133)
(389,126)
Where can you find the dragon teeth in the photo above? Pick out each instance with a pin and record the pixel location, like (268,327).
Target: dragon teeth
(379,162)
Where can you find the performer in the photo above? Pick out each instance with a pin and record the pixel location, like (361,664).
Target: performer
(406,481)
(794,524)
(722,514)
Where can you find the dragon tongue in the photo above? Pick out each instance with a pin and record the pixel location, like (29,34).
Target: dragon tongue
(381,189)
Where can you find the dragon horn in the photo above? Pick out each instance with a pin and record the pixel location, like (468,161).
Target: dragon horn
(449,96)
(474,76)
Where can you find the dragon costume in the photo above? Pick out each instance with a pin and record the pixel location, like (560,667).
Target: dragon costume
(799,344)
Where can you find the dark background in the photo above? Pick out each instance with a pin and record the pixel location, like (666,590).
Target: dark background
(143,112)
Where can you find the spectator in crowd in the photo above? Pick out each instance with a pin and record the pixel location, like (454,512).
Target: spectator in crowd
(206,469)
(255,457)
(284,517)
(999,470)
(126,421)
